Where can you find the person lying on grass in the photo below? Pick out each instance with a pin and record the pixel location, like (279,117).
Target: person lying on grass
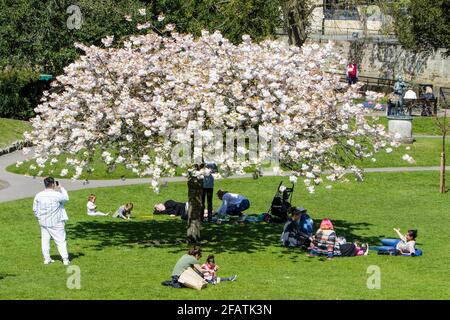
(211,268)
(124,212)
(172,208)
(325,242)
(405,245)
(92,207)
(408,241)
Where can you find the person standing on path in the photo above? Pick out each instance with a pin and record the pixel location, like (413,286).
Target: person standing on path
(48,207)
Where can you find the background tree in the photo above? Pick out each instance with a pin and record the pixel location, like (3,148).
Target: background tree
(35,36)
(421,25)
(297,15)
(35,33)
(163,100)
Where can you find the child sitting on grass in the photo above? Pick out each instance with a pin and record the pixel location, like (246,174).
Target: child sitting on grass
(92,207)
(124,212)
(210,274)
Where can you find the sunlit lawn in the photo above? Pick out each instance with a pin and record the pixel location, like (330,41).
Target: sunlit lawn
(12,131)
(128,260)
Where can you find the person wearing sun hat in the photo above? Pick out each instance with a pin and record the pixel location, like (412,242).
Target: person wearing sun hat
(293,234)
(325,242)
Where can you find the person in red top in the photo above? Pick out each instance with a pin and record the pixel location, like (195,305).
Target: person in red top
(352,72)
(211,275)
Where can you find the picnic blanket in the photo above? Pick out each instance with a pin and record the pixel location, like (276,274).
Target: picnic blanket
(391,249)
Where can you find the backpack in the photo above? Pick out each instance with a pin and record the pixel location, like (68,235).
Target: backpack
(306,224)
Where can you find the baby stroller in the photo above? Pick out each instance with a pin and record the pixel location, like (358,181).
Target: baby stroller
(281,203)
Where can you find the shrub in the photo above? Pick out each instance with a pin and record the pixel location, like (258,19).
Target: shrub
(19,93)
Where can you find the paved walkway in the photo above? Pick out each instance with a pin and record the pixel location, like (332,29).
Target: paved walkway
(427,136)
(15,186)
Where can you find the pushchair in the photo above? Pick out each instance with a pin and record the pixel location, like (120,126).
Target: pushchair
(281,203)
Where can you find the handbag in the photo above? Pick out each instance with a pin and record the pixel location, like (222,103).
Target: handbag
(192,279)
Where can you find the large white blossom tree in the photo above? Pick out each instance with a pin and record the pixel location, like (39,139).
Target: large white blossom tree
(138,101)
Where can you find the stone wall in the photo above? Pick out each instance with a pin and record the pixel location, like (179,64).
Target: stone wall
(379,56)
(386,60)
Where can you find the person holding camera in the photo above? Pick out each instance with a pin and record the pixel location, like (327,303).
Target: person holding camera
(48,207)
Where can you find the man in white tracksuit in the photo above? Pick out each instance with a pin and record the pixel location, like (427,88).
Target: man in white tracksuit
(48,206)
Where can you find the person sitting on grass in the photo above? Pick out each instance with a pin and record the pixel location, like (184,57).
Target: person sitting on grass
(92,207)
(405,245)
(232,203)
(187,260)
(325,242)
(211,268)
(124,212)
(293,234)
(172,208)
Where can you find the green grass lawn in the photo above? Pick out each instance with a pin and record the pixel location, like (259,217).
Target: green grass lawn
(128,260)
(11,131)
(100,170)
(425,151)
(421,125)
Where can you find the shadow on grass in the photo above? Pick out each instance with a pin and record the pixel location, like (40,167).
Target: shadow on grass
(72,256)
(232,238)
(5,275)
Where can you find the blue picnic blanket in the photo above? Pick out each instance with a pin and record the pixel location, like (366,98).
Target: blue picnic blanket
(392,248)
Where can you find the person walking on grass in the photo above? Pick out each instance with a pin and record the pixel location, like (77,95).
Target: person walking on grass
(48,207)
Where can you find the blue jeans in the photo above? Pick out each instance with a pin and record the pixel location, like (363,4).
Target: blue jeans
(352,80)
(236,209)
(390,242)
(387,244)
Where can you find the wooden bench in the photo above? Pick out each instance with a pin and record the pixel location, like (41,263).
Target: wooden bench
(427,107)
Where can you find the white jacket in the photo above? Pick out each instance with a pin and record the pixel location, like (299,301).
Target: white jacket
(48,207)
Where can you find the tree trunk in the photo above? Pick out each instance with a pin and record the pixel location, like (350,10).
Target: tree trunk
(296,16)
(442,180)
(195,210)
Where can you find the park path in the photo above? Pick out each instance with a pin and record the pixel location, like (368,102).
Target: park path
(15,186)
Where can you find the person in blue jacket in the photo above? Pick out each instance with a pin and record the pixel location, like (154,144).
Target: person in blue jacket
(298,229)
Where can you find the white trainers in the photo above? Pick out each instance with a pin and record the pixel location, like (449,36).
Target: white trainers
(66,262)
(367,249)
(49,261)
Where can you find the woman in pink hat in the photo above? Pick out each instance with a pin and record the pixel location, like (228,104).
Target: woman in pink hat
(326,243)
